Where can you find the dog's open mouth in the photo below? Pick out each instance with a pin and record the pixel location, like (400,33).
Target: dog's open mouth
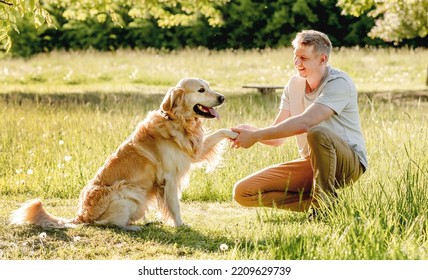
(206,112)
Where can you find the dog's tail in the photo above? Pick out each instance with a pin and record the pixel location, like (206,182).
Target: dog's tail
(32,212)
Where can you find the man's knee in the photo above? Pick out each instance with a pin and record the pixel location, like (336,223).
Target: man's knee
(238,193)
(318,134)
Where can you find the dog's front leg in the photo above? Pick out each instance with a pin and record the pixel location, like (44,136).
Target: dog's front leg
(214,138)
(211,140)
(170,206)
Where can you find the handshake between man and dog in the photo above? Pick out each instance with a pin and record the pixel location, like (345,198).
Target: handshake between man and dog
(150,168)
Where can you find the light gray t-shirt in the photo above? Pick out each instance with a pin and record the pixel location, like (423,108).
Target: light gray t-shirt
(337,91)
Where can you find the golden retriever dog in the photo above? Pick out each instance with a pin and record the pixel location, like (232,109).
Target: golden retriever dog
(150,168)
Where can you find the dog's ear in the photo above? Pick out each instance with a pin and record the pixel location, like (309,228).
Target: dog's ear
(171,99)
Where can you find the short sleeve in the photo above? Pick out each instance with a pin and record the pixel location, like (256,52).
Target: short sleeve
(285,99)
(336,95)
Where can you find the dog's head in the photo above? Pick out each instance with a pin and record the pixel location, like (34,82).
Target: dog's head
(192,97)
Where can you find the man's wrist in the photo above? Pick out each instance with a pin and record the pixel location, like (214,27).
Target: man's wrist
(260,134)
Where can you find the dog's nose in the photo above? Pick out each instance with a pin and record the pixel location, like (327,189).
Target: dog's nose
(220,99)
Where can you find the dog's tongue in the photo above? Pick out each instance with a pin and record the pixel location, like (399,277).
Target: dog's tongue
(214,113)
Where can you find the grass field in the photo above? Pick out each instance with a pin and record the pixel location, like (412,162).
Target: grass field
(55,134)
(151,72)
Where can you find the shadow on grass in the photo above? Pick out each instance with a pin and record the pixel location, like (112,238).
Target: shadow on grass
(181,237)
(184,240)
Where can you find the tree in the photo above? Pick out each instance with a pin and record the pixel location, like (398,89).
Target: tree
(10,10)
(166,13)
(395,19)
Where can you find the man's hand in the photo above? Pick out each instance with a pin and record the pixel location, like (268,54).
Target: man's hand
(247,136)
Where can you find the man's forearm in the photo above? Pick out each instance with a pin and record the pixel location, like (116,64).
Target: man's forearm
(290,127)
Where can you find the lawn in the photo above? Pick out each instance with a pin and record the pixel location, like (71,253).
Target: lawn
(64,113)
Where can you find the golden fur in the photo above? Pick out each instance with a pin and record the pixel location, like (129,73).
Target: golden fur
(150,168)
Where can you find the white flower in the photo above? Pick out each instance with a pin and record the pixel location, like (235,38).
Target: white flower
(42,235)
(224,247)
(18,171)
(61,142)
(30,171)
(67,158)
(76,238)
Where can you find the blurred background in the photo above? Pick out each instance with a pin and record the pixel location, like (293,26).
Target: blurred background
(108,25)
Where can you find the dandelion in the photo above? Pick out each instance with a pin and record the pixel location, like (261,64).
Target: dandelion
(61,142)
(67,158)
(30,171)
(133,75)
(224,247)
(68,76)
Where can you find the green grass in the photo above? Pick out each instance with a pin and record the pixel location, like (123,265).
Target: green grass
(52,143)
(151,71)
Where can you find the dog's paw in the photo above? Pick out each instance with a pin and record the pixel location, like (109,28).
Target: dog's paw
(173,223)
(231,134)
(131,228)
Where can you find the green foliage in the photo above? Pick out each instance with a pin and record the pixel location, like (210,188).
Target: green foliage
(241,24)
(166,13)
(10,13)
(245,24)
(72,13)
(395,19)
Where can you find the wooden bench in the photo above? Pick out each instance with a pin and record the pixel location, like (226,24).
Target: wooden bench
(264,89)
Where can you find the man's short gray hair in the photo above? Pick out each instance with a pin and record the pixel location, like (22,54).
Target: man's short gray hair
(319,40)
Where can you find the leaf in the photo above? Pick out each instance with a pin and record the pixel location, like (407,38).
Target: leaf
(32,5)
(3,36)
(8,43)
(15,27)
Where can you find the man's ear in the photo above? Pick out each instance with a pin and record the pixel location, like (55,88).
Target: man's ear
(171,99)
(324,58)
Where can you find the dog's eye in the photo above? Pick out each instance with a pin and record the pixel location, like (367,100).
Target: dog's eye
(201,90)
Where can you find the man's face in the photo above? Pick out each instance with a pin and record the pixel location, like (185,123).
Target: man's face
(306,61)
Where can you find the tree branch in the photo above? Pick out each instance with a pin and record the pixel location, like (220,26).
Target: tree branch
(6,3)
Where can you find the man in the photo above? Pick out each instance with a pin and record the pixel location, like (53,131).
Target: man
(318,106)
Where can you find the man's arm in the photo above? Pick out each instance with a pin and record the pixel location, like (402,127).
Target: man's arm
(282,116)
(291,126)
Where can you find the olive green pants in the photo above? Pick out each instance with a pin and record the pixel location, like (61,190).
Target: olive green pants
(298,184)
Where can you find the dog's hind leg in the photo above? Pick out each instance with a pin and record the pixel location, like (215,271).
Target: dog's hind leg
(126,206)
(120,213)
